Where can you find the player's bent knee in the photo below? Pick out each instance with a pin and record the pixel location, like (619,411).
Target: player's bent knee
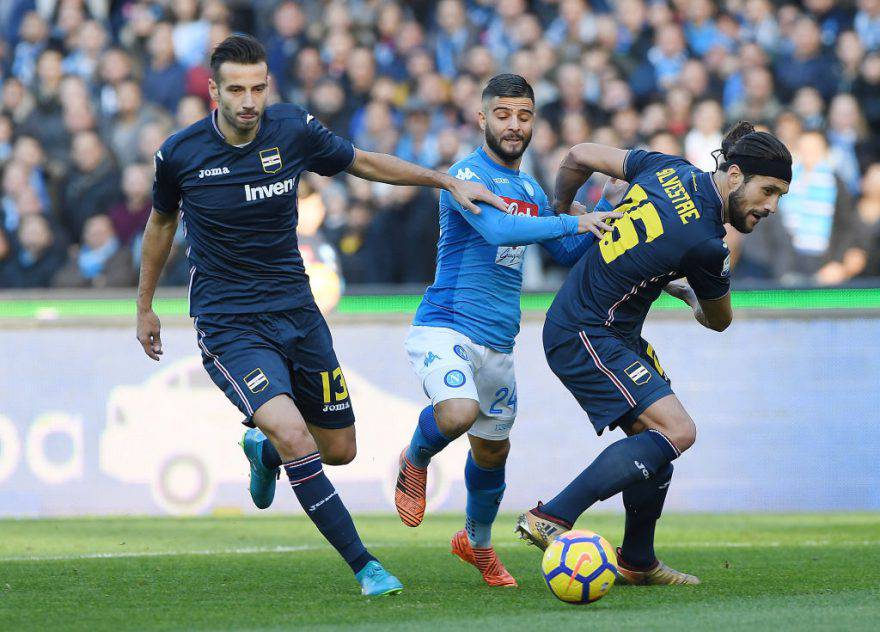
(456,416)
(339,455)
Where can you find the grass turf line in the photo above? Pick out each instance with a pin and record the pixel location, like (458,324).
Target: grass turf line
(806,571)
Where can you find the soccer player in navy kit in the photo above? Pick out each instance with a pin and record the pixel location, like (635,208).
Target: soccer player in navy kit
(232,179)
(673,227)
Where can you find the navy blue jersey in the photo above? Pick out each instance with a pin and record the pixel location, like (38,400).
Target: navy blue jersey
(239,207)
(672,228)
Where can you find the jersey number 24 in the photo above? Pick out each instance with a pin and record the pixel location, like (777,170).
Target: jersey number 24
(635,207)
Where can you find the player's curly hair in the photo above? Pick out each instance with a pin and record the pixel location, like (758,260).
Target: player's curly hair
(744,141)
(240,48)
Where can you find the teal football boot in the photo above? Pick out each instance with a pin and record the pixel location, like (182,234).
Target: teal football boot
(375,581)
(263,479)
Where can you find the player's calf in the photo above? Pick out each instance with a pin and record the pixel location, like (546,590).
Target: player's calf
(428,439)
(484,481)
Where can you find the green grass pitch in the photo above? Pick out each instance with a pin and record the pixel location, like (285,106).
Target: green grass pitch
(760,572)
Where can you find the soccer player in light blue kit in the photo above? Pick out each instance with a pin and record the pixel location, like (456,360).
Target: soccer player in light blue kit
(461,342)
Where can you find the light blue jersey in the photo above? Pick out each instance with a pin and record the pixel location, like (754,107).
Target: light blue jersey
(476,289)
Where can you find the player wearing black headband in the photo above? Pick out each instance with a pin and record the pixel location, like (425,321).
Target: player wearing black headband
(672,228)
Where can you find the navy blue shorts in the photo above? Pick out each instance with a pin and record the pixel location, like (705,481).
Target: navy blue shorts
(255,357)
(614,381)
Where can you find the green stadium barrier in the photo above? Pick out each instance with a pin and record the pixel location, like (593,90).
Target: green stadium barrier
(72,308)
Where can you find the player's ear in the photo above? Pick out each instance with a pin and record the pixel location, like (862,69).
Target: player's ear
(213,89)
(481,119)
(735,177)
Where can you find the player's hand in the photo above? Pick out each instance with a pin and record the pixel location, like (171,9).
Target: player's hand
(613,190)
(682,291)
(595,222)
(577,209)
(148,333)
(469,193)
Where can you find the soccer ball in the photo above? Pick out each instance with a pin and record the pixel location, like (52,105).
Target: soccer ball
(579,566)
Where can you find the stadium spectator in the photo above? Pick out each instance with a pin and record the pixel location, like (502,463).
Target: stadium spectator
(827,236)
(164,77)
(93,185)
(867,91)
(850,51)
(705,136)
(287,39)
(98,260)
(847,133)
(807,64)
(759,103)
(132,114)
(867,23)
(869,214)
(453,38)
(7,254)
(129,217)
(40,254)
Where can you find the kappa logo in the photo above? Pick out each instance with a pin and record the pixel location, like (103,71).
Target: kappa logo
(725,268)
(644,470)
(271,160)
(638,373)
(256,380)
(217,171)
(430,357)
(466,174)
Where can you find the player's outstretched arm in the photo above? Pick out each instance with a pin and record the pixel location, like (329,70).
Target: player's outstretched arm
(158,237)
(393,170)
(579,164)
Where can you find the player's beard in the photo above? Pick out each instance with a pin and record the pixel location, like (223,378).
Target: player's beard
(737,212)
(241,127)
(494,143)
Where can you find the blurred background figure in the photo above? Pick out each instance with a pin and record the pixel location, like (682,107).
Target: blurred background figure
(89,90)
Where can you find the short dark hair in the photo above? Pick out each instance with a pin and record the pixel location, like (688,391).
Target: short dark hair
(240,48)
(508,85)
(743,140)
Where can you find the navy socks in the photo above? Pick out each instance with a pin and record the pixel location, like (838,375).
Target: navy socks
(269,456)
(644,504)
(620,465)
(323,505)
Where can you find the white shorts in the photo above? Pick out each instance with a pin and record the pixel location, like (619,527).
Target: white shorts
(451,366)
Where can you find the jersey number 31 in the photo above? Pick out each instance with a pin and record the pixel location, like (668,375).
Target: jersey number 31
(634,207)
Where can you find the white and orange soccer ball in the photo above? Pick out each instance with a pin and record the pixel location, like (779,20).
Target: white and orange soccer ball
(579,566)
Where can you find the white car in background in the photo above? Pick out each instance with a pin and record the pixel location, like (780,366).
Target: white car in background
(179,434)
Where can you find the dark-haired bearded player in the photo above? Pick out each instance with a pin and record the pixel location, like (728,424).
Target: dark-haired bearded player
(673,227)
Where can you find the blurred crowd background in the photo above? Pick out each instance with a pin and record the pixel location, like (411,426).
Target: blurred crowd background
(91,88)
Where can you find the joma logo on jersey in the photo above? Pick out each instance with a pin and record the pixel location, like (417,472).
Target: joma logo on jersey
(637,373)
(262,192)
(256,380)
(271,160)
(217,171)
(518,207)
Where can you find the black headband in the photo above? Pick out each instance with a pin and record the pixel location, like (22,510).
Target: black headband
(761,166)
